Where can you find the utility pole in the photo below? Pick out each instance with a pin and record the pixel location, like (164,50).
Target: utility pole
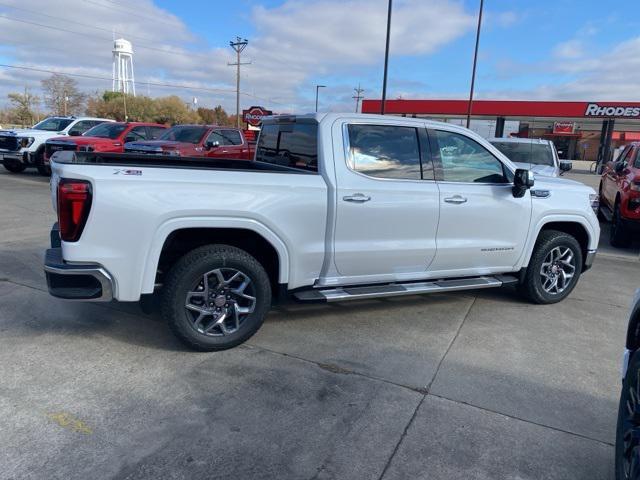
(475,60)
(357,96)
(386,60)
(318,87)
(238,46)
(66,99)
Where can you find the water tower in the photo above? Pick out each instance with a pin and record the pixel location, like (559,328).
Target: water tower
(123,79)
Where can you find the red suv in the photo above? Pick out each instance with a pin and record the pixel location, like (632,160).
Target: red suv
(620,195)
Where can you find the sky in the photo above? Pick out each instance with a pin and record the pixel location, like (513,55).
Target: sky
(537,50)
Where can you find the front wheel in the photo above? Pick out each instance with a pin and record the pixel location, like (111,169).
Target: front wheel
(554,268)
(14,166)
(627,451)
(216,297)
(43,168)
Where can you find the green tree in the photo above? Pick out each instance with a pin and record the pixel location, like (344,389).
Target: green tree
(174,110)
(62,96)
(23,107)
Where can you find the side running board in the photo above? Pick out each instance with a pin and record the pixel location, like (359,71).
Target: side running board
(342,294)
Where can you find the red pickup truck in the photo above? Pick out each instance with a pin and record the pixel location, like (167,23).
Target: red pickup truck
(106,137)
(197,141)
(620,195)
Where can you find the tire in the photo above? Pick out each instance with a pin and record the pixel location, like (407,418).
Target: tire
(628,462)
(13,166)
(618,233)
(186,298)
(44,170)
(538,287)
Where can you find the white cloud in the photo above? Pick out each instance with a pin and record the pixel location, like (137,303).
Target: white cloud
(570,49)
(294,42)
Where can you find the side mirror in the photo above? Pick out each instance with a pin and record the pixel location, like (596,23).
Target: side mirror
(129,139)
(522,181)
(618,167)
(566,165)
(74,133)
(211,144)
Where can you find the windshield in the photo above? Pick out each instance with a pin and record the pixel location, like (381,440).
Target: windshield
(53,124)
(106,130)
(185,133)
(534,153)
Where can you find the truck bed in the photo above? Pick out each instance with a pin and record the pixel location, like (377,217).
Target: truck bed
(169,161)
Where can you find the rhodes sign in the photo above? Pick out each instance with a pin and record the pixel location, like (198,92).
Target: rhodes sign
(595,110)
(253,116)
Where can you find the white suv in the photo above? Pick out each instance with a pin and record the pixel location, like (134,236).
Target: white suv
(22,148)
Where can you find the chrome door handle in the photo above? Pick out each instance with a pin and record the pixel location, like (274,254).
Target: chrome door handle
(357,198)
(457,199)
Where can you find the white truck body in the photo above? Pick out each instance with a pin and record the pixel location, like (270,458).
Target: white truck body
(406,232)
(326,212)
(24,145)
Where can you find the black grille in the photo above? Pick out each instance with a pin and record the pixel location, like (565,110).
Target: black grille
(51,148)
(8,142)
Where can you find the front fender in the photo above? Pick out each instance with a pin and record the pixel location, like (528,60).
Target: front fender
(593,233)
(174,224)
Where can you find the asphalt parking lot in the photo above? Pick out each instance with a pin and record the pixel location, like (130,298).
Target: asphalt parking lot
(473,386)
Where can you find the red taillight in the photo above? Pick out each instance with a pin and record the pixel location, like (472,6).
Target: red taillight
(74,203)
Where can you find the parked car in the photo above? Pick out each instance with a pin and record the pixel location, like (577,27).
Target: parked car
(22,148)
(620,195)
(106,137)
(627,450)
(197,141)
(535,154)
(335,207)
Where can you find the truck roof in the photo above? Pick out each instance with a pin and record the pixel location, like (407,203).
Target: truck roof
(540,141)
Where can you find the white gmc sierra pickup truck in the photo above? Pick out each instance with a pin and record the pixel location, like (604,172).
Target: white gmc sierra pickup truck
(334,207)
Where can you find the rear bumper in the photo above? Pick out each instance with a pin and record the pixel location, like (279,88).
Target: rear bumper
(75,281)
(588,260)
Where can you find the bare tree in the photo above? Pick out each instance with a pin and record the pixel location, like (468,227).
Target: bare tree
(23,106)
(61,95)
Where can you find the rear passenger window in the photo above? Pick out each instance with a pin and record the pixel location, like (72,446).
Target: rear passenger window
(231,137)
(293,144)
(155,132)
(384,151)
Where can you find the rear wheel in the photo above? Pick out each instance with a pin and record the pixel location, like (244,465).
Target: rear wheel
(216,297)
(14,166)
(554,268)
(618,233)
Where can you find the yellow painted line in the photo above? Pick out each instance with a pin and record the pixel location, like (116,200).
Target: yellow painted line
(68,421)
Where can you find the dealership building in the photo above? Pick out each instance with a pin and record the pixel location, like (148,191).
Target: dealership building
(580,130)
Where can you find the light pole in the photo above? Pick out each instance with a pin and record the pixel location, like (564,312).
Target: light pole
(473,70)
(318,87)
(386,60)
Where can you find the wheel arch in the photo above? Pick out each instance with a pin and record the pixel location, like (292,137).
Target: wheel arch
(173,239)
(577,227)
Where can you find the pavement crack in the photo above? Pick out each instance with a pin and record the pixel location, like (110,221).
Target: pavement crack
(402,437)
(455,337)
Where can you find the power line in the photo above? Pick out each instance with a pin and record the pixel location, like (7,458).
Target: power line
(71,21)
(138,45)
(155,84)
(135,13)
